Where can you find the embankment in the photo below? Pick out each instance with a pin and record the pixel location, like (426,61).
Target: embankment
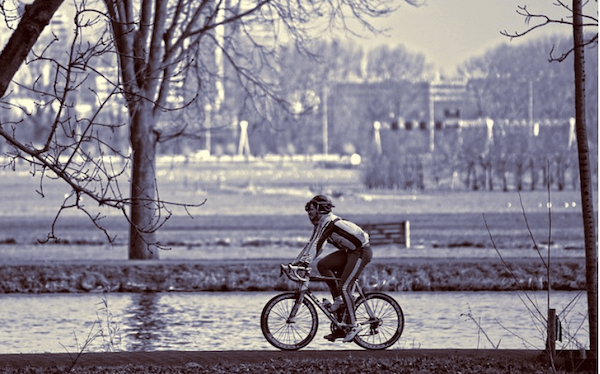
(395,274)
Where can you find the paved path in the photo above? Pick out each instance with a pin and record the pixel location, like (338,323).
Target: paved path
(175,358)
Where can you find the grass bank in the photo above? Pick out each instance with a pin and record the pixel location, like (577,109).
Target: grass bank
(414,274)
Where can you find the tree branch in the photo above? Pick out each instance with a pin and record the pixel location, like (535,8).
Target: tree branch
(36,18)
(545,21)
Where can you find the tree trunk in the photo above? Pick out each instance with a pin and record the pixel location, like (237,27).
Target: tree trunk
(519,175)
(36,17)
(545,175)
(144,208)
(585,177)
(560,173)
(502,172)
(469,172)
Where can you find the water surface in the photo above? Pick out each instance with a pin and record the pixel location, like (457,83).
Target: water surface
(231,321)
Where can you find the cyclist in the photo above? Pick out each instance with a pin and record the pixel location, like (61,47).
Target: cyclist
(353,254)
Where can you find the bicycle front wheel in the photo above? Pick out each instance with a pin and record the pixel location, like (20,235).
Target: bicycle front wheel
(382,320)
(287,333)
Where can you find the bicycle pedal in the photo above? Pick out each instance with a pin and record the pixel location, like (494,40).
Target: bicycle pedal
(338,334)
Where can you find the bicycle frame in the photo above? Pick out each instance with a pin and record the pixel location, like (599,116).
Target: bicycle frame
(304,291)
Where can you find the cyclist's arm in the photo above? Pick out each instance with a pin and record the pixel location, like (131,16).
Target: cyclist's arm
(314,246)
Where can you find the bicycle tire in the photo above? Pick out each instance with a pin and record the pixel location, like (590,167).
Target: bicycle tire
(386,329)
(285,335)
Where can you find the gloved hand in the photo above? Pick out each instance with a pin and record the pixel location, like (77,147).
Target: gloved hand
(301,263)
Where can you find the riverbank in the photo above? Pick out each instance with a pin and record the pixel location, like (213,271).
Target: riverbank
(387,274)
(452,247)
(351,361)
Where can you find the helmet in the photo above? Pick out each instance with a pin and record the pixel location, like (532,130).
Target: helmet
(322,202)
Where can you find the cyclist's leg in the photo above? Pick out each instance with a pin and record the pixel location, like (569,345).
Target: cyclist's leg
(357,260)
(331,266)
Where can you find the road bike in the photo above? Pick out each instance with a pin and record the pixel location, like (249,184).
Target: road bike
(289,321)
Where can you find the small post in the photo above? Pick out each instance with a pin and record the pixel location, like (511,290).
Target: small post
(377,127)
(572,136)
(551,326)
(489,123)
(407,234)
(244,146)
(431,118)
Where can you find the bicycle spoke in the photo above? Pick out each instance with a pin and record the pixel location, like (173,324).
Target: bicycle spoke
(383,326)
(285,331)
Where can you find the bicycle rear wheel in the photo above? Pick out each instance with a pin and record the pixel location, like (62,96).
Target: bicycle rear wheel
(383,327)
(286,334)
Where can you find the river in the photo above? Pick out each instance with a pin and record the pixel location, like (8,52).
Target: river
(231,321)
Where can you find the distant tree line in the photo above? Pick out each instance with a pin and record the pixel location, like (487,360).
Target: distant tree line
(506,157)
(531,144)
(508,83)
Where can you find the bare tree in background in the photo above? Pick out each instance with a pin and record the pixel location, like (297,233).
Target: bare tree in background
(579,21)
(35,19)
(152,42)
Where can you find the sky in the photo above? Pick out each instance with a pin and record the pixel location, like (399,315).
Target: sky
(449,32)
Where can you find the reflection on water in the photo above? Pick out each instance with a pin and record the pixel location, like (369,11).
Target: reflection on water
(231,321)
(145,321)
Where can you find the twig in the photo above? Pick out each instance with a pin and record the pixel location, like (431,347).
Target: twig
(549,205)
(511,272)
(535,245)
(513,334)
(470,316)
(90,338)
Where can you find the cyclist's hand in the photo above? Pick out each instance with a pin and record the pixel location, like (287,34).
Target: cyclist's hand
(303,264)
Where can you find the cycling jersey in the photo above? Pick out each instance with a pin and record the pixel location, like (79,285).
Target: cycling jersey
(343,234)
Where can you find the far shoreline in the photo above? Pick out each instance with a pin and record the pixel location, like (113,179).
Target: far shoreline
(382,274)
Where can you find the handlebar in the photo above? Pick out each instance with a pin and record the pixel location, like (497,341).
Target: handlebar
(291,271)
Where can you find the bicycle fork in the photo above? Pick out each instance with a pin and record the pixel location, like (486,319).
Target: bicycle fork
(292,316)
(299,301)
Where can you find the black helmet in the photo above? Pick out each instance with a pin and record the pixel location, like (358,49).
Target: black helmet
(322,202)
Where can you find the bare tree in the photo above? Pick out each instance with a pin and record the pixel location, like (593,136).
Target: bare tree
(153,43)
(68,146)
(160,40)
(35,18)
(578,22)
